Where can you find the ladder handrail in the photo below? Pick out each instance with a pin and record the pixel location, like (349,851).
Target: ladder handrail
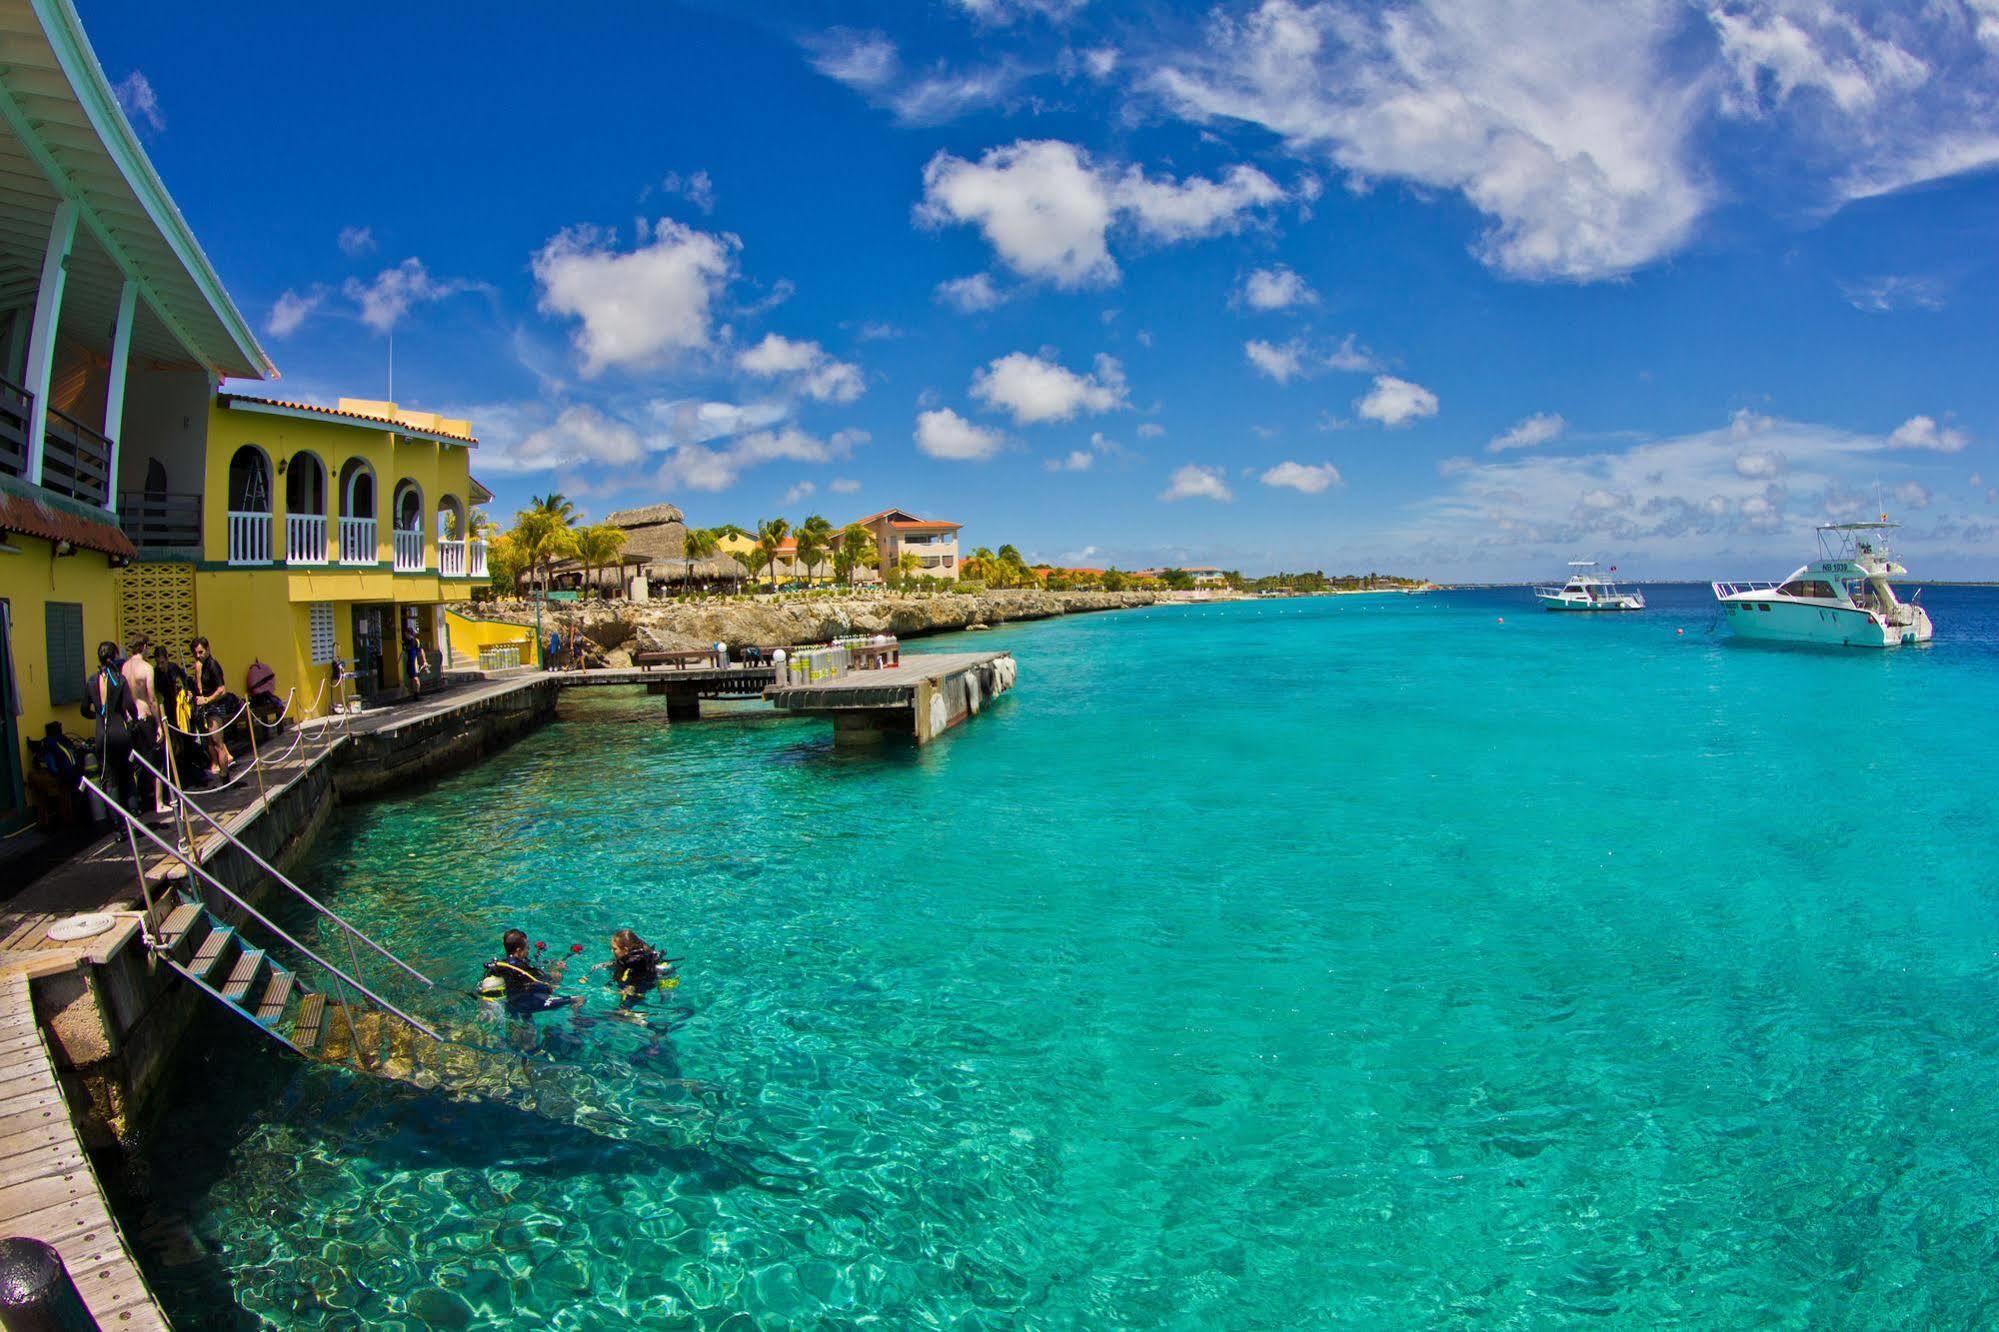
(272,870)
(193,866)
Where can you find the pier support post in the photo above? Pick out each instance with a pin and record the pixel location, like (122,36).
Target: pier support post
(36,1292)
(683,705)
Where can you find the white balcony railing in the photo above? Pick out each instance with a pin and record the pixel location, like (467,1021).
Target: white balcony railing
(409,551)
(475,559)
(357,540)
(249,537)
(305,538)
(451,559)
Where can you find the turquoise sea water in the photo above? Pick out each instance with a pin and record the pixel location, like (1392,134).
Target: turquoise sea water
(1345,962)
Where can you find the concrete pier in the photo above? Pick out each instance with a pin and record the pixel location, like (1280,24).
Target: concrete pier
(922,698)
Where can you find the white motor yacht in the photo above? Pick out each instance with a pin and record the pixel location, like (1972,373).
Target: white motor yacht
(1844,599)
(1585,591)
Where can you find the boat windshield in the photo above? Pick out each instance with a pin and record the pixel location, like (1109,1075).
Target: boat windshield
(1809,587)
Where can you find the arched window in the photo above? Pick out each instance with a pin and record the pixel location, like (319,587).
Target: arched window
(250,521)
(450,519)
(409,506)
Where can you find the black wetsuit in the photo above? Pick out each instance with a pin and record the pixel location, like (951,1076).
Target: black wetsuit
(636,975)
(529,989)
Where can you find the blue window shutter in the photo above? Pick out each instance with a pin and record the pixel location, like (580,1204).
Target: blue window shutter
(65,638)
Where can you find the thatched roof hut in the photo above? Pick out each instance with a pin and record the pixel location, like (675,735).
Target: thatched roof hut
(659,533)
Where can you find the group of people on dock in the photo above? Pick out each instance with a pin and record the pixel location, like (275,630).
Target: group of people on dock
(145,704)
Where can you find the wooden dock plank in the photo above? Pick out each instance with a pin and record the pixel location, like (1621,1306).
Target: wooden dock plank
(48,1188)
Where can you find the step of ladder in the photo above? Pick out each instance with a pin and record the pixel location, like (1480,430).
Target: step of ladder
(307,1025)
(209,955)
(178,922)
(276,995)
(248,963)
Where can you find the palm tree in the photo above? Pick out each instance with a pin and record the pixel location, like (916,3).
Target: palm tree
(907,563)
(853,545)
(982,565)
(699,544)
(815,540)
(598,545)
(771,533)
(541,534)
(557,503)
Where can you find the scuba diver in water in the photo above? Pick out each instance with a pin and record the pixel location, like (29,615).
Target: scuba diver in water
(636,969)
(528,989)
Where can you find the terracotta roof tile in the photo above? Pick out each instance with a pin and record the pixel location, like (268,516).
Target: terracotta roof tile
(52,521)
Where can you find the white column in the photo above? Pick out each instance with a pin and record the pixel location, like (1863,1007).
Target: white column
(42,337)
(114,395)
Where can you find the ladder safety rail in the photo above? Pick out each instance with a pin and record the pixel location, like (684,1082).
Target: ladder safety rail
(194,867)
(348,926)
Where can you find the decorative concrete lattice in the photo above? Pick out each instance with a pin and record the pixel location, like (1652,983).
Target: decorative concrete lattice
(158,600)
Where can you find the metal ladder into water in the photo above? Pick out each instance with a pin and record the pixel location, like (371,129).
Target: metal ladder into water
(338,1018)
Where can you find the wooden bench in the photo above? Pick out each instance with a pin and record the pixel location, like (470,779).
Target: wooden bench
(678,658)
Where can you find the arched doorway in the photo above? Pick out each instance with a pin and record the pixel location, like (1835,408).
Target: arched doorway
(451,537)
(305,509)
(250,520)
(408,514)
(357,512)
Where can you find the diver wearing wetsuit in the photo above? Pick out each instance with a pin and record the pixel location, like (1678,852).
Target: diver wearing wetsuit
(530,990)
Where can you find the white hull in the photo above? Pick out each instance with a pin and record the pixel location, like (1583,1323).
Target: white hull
(1581,604)
(1782,620)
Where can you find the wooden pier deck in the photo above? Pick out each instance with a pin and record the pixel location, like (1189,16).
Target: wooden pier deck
(48,1190)
(923,697)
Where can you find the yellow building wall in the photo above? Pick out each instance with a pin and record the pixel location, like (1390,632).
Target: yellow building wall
(30,581)
(468,635)
(248,615)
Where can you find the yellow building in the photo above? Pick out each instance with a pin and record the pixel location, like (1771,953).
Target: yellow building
(316,534)
(113,327)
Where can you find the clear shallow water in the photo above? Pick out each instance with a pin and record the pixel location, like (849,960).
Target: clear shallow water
(1355,961)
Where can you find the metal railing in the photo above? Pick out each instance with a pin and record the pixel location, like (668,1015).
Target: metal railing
(357,541)
(156,519)
(249,537)
(305,538)
(135,827)
(1724,590)
(353,932)
(408,547)
(76,460)
(451,559)
(16,405)
(475,565)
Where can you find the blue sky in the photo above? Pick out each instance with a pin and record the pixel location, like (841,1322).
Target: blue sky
(1465,289)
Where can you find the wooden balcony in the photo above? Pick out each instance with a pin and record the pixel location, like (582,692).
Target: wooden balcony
(160,520)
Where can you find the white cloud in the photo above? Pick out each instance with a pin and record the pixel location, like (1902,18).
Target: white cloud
(1276,289)
(1077,460)
(1036,390)
(1047,209)
(945,434)
(999,13)
(1194,481)
(1563,122)
(355,241)
(1307,478)
(580,434)
(1169,210)
(844,485)
(636,308)
(1922,432)
(869,63)
(139,102)
(1101,61)
(1912,495)
(1760,464)
(1885,294)
(388,296)
(1352,358)
(802,490)
(695,187)
(815,372)
(699,467)
(291,310)
(1280,363)
(1151,430)
(1456,466)
(1536,430)
(1396,402)
(1775,47)
(972,294)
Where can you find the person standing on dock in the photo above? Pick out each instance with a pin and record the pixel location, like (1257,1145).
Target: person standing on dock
(146,728)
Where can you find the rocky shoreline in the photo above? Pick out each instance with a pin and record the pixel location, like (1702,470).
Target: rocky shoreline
(617,628)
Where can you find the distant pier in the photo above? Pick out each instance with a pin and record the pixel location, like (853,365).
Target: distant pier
(922,697)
